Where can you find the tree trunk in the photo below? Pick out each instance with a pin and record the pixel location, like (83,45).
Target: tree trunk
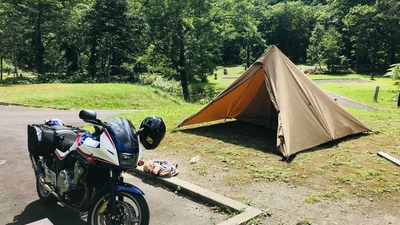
(15,71)
(39,56)
(72,58)
(247,56)
(393,51)
(92,60)
(181,69)
(1,67)
(319,64)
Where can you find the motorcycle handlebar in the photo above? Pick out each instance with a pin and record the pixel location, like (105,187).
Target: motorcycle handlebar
(96,122)
(140,130)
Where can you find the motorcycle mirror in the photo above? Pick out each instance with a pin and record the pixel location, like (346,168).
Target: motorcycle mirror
(87,115)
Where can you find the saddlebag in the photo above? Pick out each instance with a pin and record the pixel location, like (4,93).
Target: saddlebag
(43,139)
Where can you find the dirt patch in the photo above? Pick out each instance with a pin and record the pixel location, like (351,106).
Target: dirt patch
(285,203)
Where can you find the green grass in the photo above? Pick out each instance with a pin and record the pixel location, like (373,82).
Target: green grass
(233,71)
(338,76)
(220,84)
(77,96)
(349,167)
(364,92)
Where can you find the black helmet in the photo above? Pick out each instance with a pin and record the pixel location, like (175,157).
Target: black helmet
(153,131)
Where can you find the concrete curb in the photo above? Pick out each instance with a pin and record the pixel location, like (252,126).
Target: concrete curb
(246,212)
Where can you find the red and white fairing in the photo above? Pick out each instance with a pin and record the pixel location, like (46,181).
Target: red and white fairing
(103,150)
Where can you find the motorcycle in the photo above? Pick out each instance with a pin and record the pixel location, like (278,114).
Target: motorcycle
(83,170)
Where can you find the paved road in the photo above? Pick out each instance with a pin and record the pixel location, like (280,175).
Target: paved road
(19,203)
(343,101)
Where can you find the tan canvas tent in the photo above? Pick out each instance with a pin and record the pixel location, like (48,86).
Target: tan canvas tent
(273,92)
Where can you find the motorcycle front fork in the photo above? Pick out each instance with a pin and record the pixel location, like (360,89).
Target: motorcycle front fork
(115,176)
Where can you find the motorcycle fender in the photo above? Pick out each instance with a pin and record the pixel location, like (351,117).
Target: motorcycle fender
(128,188)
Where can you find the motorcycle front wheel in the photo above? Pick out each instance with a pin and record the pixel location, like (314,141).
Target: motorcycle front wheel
(132,209)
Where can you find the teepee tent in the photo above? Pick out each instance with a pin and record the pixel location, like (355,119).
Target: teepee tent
(273,92)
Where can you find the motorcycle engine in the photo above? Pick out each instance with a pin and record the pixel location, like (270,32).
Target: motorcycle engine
(67,180)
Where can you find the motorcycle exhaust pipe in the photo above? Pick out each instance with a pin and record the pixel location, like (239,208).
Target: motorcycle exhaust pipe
(35,166)
(39,176)
(47,187)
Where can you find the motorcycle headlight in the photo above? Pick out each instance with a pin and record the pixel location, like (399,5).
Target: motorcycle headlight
(128,159)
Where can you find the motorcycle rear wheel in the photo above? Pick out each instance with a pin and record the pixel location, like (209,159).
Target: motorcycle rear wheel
(132,209)
(44,195)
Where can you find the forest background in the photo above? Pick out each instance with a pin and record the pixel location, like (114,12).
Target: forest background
(138,41)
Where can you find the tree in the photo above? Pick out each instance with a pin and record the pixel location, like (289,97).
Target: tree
(368,36)
(184,38)
(35,27)
(241,31)
(325,47)
(389,10)
(334,13)
(315,48)
(65,53)
(288,25)
(13,35)
(114,37)
(2,17)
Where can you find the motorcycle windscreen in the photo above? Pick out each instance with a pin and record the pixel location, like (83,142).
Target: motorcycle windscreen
(123,134)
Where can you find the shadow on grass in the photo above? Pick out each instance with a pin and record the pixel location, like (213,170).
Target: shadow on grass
(256,137)
(327,145)
(239,133)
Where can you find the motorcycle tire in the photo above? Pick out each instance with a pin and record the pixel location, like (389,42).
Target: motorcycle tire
(44,195)
(132,209)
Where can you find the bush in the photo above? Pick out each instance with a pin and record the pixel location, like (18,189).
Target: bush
(47,78)
(197,93)
(202,94)
(171,86)
(78,78)
(394,73)
(18,80)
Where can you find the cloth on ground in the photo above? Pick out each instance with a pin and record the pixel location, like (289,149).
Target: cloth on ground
(161,168)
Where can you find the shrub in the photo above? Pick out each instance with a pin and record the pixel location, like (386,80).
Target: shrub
(394,73)
(202,94)
(171,86)
(18,80)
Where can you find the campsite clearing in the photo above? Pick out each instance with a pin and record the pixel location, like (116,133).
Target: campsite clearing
(344,182)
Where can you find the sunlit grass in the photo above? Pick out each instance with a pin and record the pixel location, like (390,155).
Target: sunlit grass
(364,92)
(96,96)
(338,76)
